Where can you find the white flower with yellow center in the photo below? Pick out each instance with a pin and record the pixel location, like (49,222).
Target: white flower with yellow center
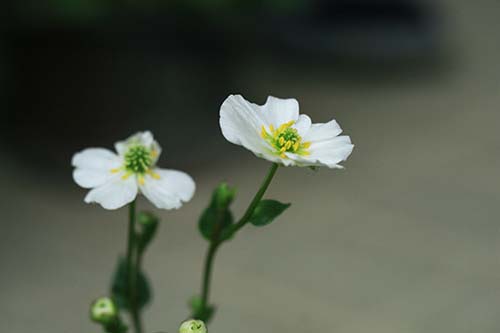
(116,179)
(275,131)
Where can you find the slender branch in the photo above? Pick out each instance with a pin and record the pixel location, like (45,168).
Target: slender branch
(207,273)
(132,269)
(257,198)
(215,242)
(136,316)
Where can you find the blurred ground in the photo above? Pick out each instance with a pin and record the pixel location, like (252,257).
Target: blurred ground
(405,239)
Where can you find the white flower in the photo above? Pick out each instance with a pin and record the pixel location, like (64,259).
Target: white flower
(275,131)
(116,179)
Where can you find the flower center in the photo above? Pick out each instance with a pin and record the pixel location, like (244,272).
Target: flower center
(138,159)
(285,139)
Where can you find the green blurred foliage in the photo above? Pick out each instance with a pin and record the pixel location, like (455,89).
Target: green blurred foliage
(120,287)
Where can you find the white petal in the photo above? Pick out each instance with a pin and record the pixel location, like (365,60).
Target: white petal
(93,166)
(319,132)
(89,178)
(170,190)
(327,152)
(145,139)
(303,124)
(241,124)
(96,158)
(115,193)
(327,148)
(121,147)
(278,111)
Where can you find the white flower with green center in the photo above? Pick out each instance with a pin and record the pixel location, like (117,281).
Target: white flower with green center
(276,132)
(116,179)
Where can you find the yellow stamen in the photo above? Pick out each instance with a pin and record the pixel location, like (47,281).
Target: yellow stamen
(114,170)
(285,139)
(153,174)
(141,180)
(125,176)
(263,132)
(154,153)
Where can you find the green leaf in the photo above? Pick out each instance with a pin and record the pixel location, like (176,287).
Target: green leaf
(119,287)
(199,312)
(266,211)
(212,219)
(216,220)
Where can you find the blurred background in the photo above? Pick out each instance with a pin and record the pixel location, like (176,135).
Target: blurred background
(405,239)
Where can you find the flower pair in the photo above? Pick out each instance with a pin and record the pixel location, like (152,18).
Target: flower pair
(274,131)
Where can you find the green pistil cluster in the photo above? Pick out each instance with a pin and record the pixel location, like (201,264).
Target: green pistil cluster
(138,159)
(285,139)
(288,139)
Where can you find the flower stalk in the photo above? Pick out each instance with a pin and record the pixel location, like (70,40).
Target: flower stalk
(215,240)
(257,198)
(207,272)
(132,267)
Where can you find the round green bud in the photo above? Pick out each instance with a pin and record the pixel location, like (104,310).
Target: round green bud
(104,311)
(193,326)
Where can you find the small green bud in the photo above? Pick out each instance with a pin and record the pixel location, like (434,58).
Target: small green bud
(104,311)
(193,326)
(148,223)
(223,195)
(147,218)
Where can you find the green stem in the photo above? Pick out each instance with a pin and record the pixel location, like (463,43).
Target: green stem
(132,269)
(136,315)
(256,199)
(215,242)
(207,273)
